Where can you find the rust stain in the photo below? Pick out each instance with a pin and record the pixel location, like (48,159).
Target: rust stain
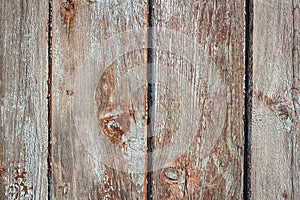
(2,171)
(70,92)
(112,129)
(268,100)
(284,111)
(67,9)
(19,188)
(285,195)
(113,124)
(276,104)
(107,187)
(105,91)
(108,180)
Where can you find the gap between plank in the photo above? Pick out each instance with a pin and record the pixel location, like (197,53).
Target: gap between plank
(49,158)
(248,97)
(150,101)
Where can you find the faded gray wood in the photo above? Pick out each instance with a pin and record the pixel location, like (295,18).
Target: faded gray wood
(276,99)
(80,28)
(23,100)
(212,167)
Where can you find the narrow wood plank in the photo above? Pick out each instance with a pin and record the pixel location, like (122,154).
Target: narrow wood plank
(212,166)
(23,100)
(80,29)
(276,70)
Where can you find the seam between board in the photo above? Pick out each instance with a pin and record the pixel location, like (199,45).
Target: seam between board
(150,101)
(49,97)
(248,98)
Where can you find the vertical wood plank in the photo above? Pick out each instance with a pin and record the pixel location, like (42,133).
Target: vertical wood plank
(79,29)
(23,100)
(276,69)
(202,172)
(296,97)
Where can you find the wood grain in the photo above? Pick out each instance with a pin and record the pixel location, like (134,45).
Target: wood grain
(202,172)
(211,166)
(23,100)
(80,28)
(276,69)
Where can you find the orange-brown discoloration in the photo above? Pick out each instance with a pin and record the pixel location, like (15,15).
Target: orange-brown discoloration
(108,185)
(19,188)
(174,182)
(105,91)
(67,9)
(2,171)
(114,125)
(277,104)
(112,129)
(70,92)
(270,100)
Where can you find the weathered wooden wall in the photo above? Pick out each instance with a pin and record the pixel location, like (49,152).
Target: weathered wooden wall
(79,28)
(218,27)
(276,100)
(42,154)
(23,100)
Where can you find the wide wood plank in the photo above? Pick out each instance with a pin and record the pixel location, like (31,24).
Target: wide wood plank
(200,81)
(81,169)
(23,99)
(276,99)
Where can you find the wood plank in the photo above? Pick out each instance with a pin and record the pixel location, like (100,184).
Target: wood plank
(23,100)
(212,166)
(276,69)
(80,33)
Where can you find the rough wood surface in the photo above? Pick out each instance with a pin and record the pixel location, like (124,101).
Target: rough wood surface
(80,29)
(276,99)
(188,71)
(23,100)
(202,172)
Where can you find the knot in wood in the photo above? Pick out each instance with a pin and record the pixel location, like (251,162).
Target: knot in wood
(171,174)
